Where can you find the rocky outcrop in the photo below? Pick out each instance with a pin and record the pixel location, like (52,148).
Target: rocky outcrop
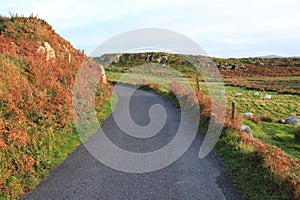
(48,51)
(110,58)
(95,67)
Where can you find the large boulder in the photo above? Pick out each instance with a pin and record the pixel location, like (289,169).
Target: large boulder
(292,120)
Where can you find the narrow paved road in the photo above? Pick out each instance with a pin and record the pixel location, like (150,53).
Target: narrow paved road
(81,176)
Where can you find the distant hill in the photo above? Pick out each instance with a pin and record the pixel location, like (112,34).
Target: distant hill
(271,56)
(228,67)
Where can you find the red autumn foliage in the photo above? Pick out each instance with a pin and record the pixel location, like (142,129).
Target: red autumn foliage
(35,98)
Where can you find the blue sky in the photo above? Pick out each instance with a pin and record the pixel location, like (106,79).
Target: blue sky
(223,28)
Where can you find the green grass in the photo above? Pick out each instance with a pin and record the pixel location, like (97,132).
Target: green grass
(247,171)
(279,135)
(105,110)
(256,130)
(280,105)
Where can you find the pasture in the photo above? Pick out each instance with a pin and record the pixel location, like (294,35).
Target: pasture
(280,106)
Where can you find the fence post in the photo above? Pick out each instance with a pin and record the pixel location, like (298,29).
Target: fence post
(232,110)
(197,81)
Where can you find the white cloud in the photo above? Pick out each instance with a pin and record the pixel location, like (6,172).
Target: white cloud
(213,22)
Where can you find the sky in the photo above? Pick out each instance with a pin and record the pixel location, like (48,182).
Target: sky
(223,28)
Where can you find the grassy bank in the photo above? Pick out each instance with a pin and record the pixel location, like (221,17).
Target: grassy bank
(248,172)
(37,74)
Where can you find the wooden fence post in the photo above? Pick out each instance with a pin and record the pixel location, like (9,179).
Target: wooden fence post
(197,81)
(232,110)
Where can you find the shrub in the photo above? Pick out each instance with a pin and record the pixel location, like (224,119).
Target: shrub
(254,119)
(296,132)
(266,118)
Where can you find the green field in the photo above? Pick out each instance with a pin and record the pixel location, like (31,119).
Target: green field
(280,106)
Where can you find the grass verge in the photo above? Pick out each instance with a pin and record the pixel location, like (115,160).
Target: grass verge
(247,170)
(49,149)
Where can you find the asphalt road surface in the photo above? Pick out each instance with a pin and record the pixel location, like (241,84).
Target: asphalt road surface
(81,176)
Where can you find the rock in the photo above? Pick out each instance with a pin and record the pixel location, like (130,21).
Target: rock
(111,58)
(238,94)
(292,120)
(41,50)
(248,114)
(50,53)
(281,121)
(149,58)
(48,50)
(163,59)
(256,94)
(233,66)
(92,64)
(243,67)
(68,53)
(250,135)
(247,130)
(267,97)
(103,76)
(222,92)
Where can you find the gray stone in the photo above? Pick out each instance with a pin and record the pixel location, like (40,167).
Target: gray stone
(292,120)
(247,130)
